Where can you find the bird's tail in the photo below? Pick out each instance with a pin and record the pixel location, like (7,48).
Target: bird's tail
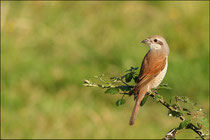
(139,98)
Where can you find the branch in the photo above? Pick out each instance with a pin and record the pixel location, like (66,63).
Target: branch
(119,85)
(174,131)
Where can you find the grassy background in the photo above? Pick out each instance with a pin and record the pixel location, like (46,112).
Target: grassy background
(48,48)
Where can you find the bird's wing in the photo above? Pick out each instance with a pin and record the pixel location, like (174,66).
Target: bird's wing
(152,65)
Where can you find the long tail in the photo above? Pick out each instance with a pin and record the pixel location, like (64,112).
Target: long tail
(139,98)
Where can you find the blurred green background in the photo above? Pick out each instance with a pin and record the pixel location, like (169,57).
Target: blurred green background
(48,48)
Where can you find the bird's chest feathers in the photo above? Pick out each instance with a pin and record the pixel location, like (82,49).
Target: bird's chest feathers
(155,47)
(158,79)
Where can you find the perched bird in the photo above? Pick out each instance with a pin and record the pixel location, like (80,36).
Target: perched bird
(152,72)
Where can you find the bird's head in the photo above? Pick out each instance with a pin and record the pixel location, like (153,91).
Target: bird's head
(156,42)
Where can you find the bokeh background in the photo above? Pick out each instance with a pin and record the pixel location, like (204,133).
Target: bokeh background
(48,48)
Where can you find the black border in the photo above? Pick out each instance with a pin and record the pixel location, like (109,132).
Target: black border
(105,0)
(76,1)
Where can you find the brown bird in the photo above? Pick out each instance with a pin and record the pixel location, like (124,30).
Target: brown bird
(153,70)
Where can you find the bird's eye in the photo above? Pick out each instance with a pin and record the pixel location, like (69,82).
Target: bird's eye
(155,40)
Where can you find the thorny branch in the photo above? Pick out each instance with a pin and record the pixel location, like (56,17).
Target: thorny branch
(190,125)
(119,86)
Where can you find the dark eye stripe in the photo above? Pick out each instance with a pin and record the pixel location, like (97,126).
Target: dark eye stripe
(159,42)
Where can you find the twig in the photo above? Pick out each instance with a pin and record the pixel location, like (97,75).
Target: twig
(124,82)
(171,108)
(171,134)
(152,94)
(178,104)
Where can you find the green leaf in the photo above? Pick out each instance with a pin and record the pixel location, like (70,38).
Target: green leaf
(174,106)
(120,102)
(132,69)
(171,100)
(158,97)
(144,100)
(125,88)
(128,77)
(112,91)
(174,113)
(183,99)
(187,111)
(183,124)
(136,78)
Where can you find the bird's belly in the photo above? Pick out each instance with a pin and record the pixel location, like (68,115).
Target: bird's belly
(159,78)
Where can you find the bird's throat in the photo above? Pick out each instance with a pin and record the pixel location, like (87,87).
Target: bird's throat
(155,47)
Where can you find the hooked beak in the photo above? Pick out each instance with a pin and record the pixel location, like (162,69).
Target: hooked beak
(146,41)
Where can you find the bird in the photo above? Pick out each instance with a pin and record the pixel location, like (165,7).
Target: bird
(152,72)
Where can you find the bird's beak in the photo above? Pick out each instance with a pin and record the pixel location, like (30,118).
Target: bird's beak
(146,41)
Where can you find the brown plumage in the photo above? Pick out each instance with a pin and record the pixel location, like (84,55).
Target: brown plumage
(152,70)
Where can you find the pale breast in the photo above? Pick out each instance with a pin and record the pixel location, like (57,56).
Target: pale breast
(159,78)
